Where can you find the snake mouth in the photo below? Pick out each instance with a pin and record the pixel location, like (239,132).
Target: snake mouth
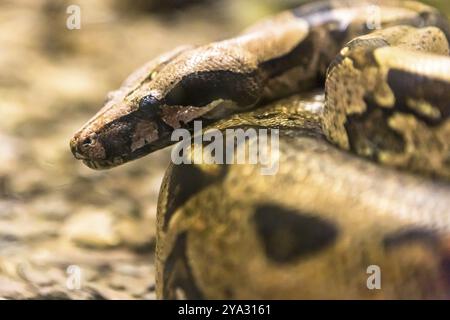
(103,164)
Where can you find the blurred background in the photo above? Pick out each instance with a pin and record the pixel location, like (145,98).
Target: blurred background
(56,215)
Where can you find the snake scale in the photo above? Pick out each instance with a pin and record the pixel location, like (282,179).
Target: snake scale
(363,167)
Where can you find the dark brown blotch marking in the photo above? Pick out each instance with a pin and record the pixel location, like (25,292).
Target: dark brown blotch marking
(405,237)
(437,243)
(436,19)
(369,133)
(300,55)
(177,273)
(419,87)
(185,181)
(361,51)
(198,89)
(116,137)
(287,235)
(312,8)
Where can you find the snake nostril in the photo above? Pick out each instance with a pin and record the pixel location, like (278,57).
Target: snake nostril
(90,140)
(87,142)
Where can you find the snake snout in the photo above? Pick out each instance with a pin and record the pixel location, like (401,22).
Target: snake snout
(86,147)
(76,151)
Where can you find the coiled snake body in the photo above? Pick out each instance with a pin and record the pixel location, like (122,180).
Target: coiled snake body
(314,228)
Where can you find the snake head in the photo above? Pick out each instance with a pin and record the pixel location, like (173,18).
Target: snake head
(166,94)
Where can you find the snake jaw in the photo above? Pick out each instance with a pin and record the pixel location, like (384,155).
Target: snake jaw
(103,164)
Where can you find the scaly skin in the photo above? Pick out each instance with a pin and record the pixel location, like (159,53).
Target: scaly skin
(308,232)
(277,57)
(311,230)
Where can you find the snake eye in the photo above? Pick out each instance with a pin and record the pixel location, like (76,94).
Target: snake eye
(148,101)
(149,105)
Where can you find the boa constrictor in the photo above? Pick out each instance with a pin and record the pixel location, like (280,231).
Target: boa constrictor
(363,170)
